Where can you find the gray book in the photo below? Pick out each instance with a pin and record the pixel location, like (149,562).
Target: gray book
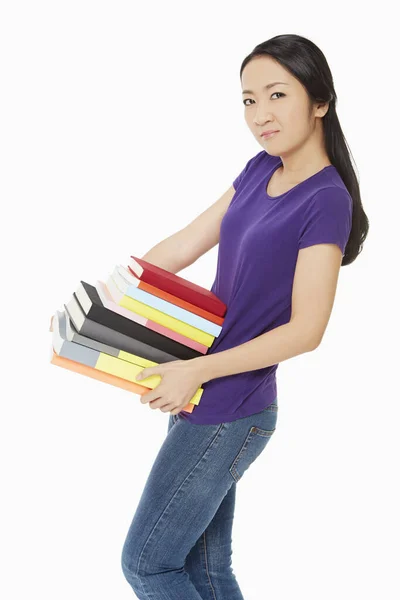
(96,331)
(70,350)
(73,336)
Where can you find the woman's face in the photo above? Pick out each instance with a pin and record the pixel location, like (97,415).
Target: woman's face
(284,106)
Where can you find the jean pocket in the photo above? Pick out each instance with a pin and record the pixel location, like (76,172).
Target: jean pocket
(254,444)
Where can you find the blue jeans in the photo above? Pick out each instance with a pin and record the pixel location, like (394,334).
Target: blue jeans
(178,546)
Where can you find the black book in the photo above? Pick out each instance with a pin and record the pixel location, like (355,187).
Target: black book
(90,301)
(107,337)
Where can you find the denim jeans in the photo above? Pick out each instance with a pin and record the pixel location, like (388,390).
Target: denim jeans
(179,544)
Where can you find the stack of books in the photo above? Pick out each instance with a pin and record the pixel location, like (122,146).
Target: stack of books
(142,316)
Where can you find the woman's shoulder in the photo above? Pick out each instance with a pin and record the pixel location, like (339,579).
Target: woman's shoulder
(255,163)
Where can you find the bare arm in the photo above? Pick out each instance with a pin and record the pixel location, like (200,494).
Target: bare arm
(184,247)
(314,289)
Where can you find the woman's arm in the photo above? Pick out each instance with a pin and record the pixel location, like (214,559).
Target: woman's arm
(181,249)
(170,254)
(313,293)
(184,247)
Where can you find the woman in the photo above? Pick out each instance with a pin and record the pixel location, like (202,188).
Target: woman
(291,218)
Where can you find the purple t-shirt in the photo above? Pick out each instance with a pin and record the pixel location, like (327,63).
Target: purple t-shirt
(260,237)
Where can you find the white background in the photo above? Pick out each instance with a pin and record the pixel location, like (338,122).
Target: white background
(121,122)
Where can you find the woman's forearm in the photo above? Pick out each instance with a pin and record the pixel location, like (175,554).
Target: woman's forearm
(169,254)
(265,350)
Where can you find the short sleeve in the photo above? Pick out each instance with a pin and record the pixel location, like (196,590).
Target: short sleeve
(249,163)
(328,219)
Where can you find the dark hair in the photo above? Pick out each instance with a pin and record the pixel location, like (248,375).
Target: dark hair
(307,63)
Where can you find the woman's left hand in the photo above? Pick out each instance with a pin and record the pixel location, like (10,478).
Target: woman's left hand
(180,379)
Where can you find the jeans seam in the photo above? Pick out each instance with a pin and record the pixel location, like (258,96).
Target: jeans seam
(232,468)
(206,562)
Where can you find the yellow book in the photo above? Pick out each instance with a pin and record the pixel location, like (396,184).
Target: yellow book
(167,320)
(126,365)
(129,370)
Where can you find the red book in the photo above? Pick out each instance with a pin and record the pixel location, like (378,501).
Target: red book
(178,286)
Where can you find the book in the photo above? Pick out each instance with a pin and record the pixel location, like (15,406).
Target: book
(160,317)
(72,335)
(109,336)
(151,289)
(71,365)
(131,291)
(94,309)
(178,286)
(127,367)
(104,292)
(142,316)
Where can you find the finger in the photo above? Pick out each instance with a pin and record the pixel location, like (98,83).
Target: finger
(176,411)
(157,404)
(165,407)
(145,373)
(149,397)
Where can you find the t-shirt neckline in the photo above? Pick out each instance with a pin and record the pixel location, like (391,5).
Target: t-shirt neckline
(279,164)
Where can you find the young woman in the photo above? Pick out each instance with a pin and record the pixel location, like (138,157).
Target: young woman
(291,218)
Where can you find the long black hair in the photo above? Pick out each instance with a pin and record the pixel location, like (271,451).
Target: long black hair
(305,61)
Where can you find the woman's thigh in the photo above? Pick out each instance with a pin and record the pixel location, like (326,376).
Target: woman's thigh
(212,551)
(191,475)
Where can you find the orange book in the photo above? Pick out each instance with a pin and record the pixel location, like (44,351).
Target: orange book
(151,289)
(66,363)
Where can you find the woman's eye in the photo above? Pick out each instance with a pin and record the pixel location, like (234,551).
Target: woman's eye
(274,94)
